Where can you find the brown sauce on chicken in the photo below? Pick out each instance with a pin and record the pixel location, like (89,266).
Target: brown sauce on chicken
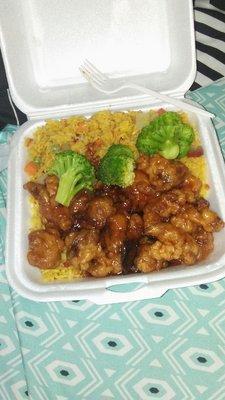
(157,222)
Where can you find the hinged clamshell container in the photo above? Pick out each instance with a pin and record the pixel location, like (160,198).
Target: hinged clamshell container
(150,43)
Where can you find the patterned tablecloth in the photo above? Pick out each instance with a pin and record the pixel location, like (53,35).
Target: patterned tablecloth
(167,348)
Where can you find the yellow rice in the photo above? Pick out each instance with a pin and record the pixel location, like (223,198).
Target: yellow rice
(61,273)
(76,133)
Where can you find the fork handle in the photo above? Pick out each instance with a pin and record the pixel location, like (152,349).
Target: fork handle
(177,103)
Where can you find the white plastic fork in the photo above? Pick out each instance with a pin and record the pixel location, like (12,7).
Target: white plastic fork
(104,84)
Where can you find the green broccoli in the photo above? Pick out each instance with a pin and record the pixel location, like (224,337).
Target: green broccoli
(167,118)
(185,137)
(74,172)
(166,135)
(117,166)
(120,150)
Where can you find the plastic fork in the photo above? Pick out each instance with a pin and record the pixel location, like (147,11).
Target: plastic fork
(104,84)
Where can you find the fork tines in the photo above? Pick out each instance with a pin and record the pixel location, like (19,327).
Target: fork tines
(91,72)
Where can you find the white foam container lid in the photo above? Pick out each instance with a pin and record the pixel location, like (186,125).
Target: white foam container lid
(150,43)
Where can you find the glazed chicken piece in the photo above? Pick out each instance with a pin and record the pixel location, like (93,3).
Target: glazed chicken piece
(70,243)
(174,204)
(201,203)
(151,217)
(210,221)
(45,247)
(184,222)
(135,227)
(52,183)
(103,266)
(163,174)
(78,210)
(113,237)
(38,191)
(123,203)
(90,258)
(85,245)
(190,218)
(121,200)
(171,244)
(99,210)
(51,212)
(145,261)
(79,203)
(109,191)
(74,239)
(96,257)
(205,242)
(140,192)
(191,188)
(170,203)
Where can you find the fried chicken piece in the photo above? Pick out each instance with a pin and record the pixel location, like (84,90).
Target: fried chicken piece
(90,258)
(111,191)
(172,244)
(135,227)
(79,203)
(163,174)
(51,212)
(60,216)
(123,203)
(85,244)
(145,261)
(52,183)
(170,203)
(38,191)
(103,266)
(191,187)
(107,259)
(84,236)
(150,217)
(205,242)
(99,210)
(190,218)
(45,247)
(121,200)
(167,205)
(140,192)
(210,221)
(70,243)
(182,221)
(201,203)
(113,237)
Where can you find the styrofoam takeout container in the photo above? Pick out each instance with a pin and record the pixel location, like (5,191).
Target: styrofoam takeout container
(149,42)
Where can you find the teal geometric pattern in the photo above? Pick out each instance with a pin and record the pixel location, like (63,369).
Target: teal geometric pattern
(212,97)
(167,348)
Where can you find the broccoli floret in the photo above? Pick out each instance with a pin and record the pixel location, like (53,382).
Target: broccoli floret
(74,172)
(117,166)
(167,118)
(185,134)
(120,150)
(150,141)
(166,135)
